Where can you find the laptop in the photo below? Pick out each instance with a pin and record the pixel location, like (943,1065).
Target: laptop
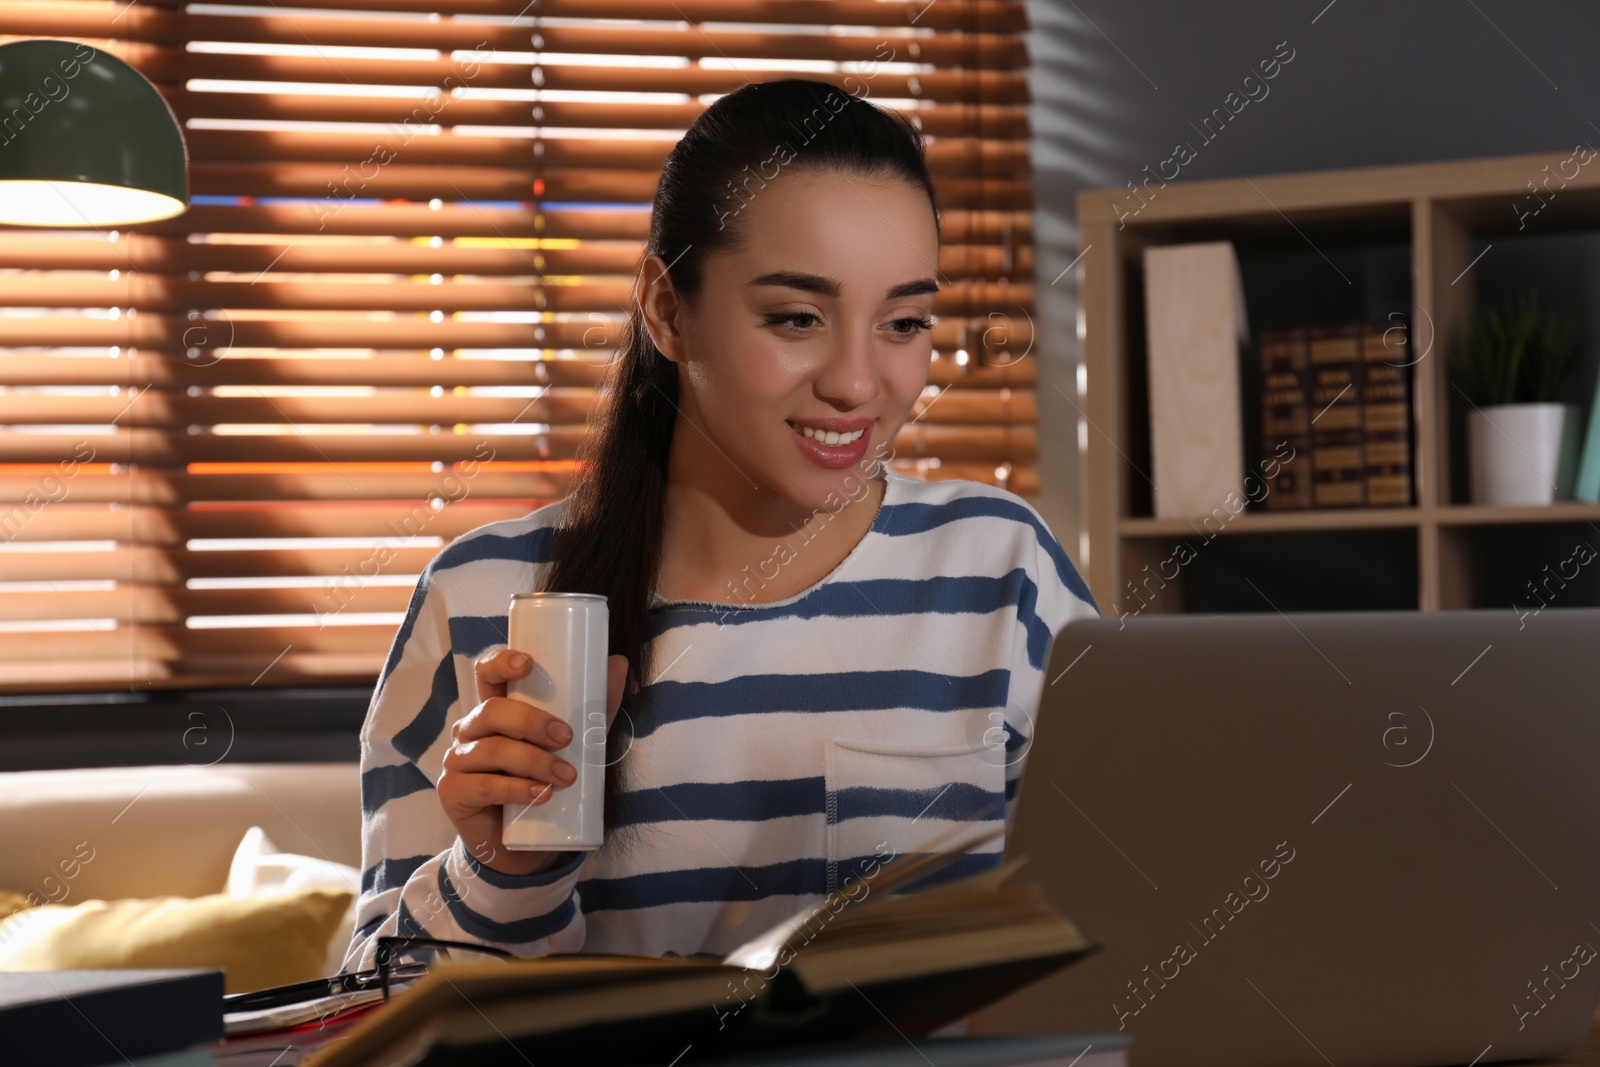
(1367,839)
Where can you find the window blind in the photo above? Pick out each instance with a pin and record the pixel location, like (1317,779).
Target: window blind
(230,441)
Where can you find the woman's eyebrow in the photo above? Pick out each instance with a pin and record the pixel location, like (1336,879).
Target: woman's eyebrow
(816,283)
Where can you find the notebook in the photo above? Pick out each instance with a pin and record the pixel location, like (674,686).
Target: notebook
(90,1017)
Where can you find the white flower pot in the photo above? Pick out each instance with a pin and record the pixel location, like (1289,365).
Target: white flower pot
(1523,453)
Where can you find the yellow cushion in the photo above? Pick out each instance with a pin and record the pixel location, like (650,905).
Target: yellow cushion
(11,901)
(258,941)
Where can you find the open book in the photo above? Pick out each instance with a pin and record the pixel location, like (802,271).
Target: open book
(866,962)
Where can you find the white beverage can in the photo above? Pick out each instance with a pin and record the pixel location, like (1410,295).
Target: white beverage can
(567,636)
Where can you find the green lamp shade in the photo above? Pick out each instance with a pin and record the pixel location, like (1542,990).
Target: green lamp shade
(85,140)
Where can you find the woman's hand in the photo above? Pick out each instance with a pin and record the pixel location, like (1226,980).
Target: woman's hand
(503,752)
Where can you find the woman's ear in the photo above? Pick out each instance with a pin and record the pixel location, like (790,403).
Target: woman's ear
(662,309)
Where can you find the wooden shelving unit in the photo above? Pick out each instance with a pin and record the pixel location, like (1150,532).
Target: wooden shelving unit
(1325,245)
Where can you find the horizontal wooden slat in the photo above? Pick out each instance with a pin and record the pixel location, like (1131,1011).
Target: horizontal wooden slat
(994,224)
(162,448)
(159,447)
(973,407)
(115,673)
(165,255)
(992,15)
(409,181)
(949,120)
(556,407)
(171,566)
(154,370)
(74,521)
(420,220)
(170,642)
(334,182)
(158,407)
(1020,478)
(1017,444)
(946,157)
(158,486)
(211,338)
(155,292)
(147,605)
(143,22)
(161,63)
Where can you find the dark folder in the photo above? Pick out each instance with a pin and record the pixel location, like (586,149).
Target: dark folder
(87,1018)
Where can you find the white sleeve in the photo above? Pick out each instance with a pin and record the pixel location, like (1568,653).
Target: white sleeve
(417,877)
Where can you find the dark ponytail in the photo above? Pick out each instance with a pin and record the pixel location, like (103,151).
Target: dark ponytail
(611,530)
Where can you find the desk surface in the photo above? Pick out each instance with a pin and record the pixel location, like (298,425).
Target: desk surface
(1585,1055)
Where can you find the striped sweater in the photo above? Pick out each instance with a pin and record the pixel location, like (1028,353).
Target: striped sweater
(777,748)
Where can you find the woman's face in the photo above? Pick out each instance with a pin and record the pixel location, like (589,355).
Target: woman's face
(813,321)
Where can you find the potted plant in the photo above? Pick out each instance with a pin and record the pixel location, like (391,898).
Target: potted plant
(1511,364)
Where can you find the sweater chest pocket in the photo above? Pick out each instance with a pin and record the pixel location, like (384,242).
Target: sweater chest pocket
(888,800)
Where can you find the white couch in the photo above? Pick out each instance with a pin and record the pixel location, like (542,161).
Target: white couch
(112,832)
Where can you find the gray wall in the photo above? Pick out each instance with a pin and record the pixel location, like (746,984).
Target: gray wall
(1116,84)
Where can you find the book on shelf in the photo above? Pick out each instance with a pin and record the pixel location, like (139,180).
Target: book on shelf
(1338,474)
(865,963)
(1386,414)
(1195,328)
(1336,400)
(1286,417)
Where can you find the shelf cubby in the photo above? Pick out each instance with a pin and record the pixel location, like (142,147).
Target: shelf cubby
(1417,243)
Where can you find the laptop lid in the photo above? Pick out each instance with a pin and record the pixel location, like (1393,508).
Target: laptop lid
(1364,838)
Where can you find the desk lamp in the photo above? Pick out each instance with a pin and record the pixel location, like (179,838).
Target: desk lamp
(85,140)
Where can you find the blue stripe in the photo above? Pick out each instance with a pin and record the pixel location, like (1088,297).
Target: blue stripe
(665,702)
(406,924)
(390,873)
(906,519)
(518,931)
(403,635)
(1014,741)
(501,880)
(1028,615)
(801,877)
(418,735)
(939,595)
(536,545)
(531,546)
(752,801)
(471,634)
(956,801)
(368,927)
(383,784)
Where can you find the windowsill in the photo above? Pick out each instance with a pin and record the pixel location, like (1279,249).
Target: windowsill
(182,727)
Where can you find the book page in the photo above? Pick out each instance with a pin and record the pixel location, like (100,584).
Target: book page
(762,951)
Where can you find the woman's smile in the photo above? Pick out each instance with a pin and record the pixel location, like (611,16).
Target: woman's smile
(832,443)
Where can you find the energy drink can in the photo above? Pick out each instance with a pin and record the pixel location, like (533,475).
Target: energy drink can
(567,636)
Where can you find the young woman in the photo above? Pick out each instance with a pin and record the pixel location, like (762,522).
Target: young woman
(824,662)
